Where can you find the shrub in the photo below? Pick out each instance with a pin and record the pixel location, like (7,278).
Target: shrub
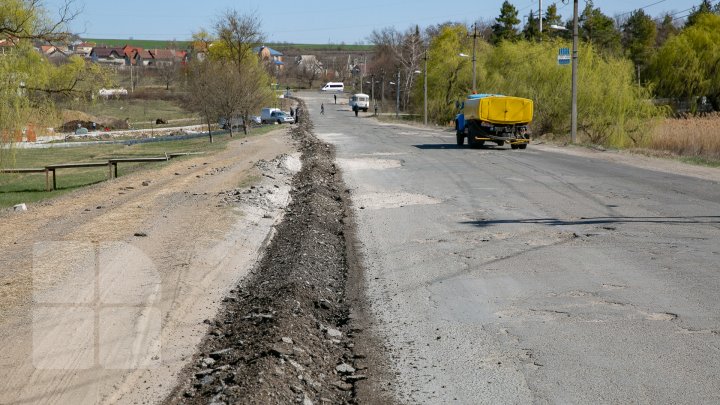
(612,109)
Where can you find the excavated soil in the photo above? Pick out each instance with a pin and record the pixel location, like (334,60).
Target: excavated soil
(287,333)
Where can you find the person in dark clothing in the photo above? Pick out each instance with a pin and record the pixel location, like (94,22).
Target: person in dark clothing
(322,109)
(335,96)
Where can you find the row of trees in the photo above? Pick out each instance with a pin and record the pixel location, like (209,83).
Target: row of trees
(624,62)
(666,51)
(231,81)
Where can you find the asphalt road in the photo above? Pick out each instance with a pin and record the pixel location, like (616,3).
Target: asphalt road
(535,276)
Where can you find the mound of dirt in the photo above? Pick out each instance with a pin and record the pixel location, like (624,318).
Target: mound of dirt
(283,336)
(72,118)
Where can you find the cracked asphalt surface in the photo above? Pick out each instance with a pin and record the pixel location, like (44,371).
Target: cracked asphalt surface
(550,275)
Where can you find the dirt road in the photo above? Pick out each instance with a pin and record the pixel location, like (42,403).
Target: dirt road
(85,277)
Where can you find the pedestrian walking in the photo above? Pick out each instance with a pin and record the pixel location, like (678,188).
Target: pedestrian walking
(335,96)
(322,109)
(297,114)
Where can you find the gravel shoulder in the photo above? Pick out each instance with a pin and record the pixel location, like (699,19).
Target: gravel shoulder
(179,222)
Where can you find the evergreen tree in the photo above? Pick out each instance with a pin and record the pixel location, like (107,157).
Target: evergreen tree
(704,8)
(599,29)
(665,29)
(531,30)
(504,27)
(639,34)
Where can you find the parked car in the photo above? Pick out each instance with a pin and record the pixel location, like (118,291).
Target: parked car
(266,115)
(282,118)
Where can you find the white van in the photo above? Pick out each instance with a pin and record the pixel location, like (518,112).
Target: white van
(360,101)
(334,86)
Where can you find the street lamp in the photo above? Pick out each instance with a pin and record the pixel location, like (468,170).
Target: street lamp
(424,90)
(462,55)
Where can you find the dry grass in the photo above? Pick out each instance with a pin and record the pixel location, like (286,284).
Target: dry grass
(695,137)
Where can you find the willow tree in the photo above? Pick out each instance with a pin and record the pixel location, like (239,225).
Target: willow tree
(29,83)
(688,64)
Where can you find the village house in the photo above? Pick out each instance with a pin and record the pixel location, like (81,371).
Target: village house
(270,57)
(83,49)
(106,55)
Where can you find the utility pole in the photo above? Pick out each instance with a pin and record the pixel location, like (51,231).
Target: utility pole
(372,88)
(425,90)
(397,105)
(573,117)
(382,88)
(473,57)
(362,77)
(540,18)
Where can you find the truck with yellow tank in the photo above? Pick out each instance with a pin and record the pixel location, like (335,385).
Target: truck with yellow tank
(494,118)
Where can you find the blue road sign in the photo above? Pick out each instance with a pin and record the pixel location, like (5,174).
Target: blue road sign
(564,57)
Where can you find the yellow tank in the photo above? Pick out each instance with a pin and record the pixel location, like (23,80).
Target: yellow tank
(497,109)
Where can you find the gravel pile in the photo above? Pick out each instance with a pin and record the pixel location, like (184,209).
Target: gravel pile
(284,336)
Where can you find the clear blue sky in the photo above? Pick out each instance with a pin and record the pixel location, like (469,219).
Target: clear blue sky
(311,21)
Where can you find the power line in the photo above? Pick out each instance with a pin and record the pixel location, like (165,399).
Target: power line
(642,8)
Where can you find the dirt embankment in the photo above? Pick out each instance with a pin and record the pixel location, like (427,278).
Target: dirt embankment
(286,334)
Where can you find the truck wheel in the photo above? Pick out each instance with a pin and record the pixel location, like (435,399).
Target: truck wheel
(523,146)
(514,146)
(460,138)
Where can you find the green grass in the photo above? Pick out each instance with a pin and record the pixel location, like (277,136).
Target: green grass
(139,111)
(700,161)
(28,188)
(321,47)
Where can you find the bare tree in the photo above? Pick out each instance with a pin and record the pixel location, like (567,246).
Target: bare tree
(29,20)
(202,91)
(168,73)
(239,34)
(308,70)
(404,50)
(253,92)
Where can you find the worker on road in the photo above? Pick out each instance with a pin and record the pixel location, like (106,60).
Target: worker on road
(322,109)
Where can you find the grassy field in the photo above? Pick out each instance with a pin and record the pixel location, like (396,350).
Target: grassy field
(28,188)
(139,111)
(695,139)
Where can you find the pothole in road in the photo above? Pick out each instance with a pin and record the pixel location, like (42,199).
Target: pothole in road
(392,200)
(368,164)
